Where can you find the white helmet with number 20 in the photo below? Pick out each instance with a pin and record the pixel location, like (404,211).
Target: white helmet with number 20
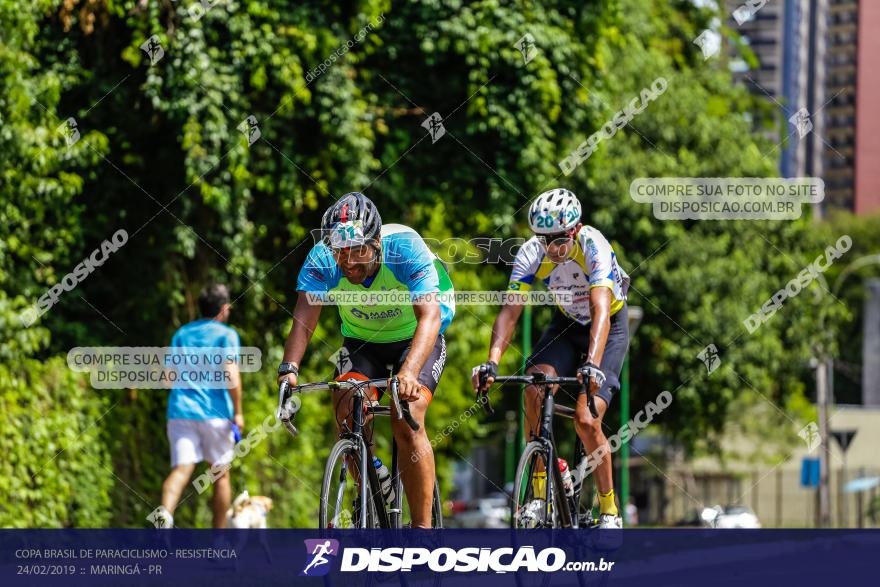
(554,211)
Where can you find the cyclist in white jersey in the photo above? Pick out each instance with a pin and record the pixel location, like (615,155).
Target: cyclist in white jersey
(577,262)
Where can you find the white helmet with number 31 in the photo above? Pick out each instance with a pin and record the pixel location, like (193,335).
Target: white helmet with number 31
(554,211)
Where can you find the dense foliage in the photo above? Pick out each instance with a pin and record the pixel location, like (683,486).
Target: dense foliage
(161,154)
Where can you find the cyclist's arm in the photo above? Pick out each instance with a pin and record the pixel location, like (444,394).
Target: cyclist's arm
(427,312)
(319,274)
(600,323)
(600,266)
(414,267)
(525,267)
(502,332)
(503,329)
(305,319)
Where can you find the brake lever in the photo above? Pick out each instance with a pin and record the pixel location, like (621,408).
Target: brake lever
(591,403)
(402,411)
(283,415)
(409,419)
(484,393)
(487,407)
(283,393)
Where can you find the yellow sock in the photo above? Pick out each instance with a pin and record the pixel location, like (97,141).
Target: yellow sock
(539,484)
(606,503)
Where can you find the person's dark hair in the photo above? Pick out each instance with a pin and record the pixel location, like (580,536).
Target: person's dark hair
(212,298)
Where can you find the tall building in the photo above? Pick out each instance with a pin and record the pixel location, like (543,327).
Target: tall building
(839,148)
(779,35)
(815,65)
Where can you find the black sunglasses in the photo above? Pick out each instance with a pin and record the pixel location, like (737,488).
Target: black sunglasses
(554,239)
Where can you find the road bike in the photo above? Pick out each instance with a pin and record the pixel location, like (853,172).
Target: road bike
(350,499)
(552,508)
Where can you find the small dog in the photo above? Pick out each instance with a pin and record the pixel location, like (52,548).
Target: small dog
(248,512)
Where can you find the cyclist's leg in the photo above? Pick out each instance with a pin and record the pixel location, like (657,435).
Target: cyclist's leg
(416,461)
(588,428)
(415,455)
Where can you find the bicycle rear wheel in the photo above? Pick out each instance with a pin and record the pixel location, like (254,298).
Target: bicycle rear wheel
(341,488)
(531,510)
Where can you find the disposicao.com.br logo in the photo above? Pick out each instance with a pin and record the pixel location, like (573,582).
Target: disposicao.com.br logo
(441,560)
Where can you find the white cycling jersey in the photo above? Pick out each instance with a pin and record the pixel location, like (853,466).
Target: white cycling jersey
(591,263)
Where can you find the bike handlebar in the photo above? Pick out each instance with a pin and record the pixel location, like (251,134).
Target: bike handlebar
(285,414)
(533,379)
(536,378)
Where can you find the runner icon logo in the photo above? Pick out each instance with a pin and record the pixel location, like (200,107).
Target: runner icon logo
(320,552)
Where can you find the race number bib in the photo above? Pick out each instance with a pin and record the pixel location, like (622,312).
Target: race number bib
(347,234)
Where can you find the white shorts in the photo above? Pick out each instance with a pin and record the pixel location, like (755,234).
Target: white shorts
(194,441)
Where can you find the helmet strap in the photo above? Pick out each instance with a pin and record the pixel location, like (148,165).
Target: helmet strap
(377,250)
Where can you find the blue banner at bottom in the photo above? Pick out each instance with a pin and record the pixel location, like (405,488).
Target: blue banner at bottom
(681,557)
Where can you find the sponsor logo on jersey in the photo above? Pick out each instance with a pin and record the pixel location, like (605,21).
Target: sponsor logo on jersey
(594,250)
(384,315)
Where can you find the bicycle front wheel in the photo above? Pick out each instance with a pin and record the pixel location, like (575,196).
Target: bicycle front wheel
(533,496)
(341,489)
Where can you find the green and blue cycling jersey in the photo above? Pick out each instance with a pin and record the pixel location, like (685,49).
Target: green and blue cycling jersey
(407,266)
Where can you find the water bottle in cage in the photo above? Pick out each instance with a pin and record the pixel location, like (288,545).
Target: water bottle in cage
(384,480)
(567,483)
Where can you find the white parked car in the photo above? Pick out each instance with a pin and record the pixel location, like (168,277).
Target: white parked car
(732,516)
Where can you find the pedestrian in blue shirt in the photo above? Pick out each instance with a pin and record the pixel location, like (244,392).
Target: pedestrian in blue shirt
(204,419)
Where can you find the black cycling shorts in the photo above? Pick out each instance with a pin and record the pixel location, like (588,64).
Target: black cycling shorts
(379,359)
(565,341)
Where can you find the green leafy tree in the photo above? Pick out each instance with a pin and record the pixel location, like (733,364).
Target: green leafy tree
(169,102)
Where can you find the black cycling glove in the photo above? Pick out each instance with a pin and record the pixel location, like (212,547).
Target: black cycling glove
(591,371)
(486,370)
